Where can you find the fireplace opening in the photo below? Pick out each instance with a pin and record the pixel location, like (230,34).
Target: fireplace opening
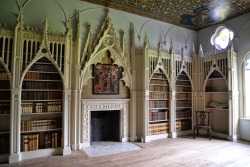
(105,125)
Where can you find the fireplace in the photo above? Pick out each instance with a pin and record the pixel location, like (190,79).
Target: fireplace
(105,125)
(117,109)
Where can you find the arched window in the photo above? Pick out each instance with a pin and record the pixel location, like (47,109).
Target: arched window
(221,38)
(246,87)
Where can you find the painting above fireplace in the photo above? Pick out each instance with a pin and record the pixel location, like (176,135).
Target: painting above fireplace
(106,79)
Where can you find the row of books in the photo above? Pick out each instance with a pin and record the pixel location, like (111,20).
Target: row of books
(184,113)
(52,140)
(158,88)
(158,95)
(4,144)
(29,142)
(4,108)
(52,106)
(160,76)
(156,81)
(182,89)
(45,68)
(183,125)
(41,95)
(3,75)
(158,104)
(157,116)
(162,95)
(33,125)
(4,84)
(183,95)
(41,85)
(5,95)
(183,77)
(159,128)
(184,83)
(183,103)
(42,76)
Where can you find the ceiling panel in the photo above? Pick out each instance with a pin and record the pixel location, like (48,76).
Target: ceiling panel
(191,14)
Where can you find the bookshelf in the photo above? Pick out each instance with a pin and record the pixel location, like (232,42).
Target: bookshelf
(183,100)
(158,104)
(4,111)
(41,107)
(216,101)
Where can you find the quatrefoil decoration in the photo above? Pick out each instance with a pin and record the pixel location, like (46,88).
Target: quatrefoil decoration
(108,41)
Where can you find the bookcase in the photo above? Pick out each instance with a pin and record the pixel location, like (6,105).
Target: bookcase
(221,95)
(4,111)
(158,103)
(216,101)
(41,107)
(183,102)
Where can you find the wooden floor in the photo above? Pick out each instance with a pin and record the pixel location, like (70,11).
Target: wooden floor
(182,151)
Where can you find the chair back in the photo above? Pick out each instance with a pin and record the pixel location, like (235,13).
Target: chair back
(202,117)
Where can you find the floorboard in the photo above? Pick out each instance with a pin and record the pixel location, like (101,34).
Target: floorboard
(182,151)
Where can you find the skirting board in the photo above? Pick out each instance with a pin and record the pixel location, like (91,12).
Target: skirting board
(40,153)
(155,137)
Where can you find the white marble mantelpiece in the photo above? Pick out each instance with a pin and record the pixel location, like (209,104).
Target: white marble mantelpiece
(88,105)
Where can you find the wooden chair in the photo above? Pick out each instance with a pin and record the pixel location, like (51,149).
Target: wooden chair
(202,122)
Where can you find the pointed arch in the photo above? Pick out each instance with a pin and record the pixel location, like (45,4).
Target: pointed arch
(36,59)
(183,70)
(214,73)
(164,72)
(86,73)
(105,40)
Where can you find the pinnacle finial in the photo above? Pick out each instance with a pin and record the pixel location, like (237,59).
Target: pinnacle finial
(201,51)
(68,22)
(146,38)
(45,25)
(171,44)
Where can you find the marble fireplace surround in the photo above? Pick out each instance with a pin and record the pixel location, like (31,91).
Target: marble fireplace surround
(88,105)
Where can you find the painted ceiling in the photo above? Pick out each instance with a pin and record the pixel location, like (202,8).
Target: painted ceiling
(191,14)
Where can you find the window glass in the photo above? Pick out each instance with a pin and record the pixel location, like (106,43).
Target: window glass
(221,38)
(247,87)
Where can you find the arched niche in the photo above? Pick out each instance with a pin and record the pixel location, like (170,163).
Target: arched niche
(217,101)
(42,105)
(159,113)
(183,99)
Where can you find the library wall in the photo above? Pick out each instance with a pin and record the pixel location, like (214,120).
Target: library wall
(57,13)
